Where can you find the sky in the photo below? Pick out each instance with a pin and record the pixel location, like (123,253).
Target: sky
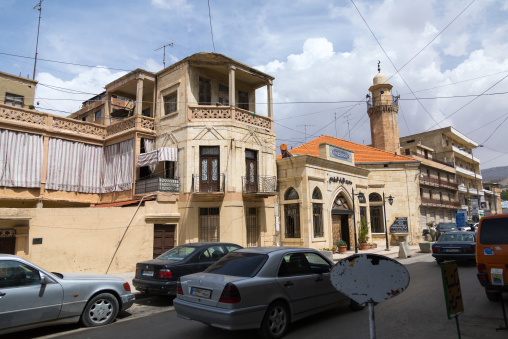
(448,60)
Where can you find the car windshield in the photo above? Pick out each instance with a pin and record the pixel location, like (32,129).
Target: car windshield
(239,264)
(447,226)
(494,231)
(456,237)
(177,253)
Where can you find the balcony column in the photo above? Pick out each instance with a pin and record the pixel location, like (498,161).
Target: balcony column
(232,90)
(269,96)
(139,96)
(107,109)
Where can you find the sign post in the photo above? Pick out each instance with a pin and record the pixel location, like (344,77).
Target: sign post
(453,295)
(369,279)
(497,278)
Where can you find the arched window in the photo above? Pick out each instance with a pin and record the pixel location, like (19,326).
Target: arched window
(291,194)
(376,213)
(316,194)
(374,197)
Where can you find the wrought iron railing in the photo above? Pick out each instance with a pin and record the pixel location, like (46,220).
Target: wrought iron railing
(263,184)
(212,186)
(440,203)
(157,184)
(394,101)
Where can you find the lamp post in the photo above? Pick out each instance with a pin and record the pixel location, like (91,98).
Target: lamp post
(360,196)
(390,201)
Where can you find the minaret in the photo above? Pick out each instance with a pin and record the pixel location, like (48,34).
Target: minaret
(384,126)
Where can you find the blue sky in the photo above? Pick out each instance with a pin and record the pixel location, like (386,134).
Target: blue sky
(323,55)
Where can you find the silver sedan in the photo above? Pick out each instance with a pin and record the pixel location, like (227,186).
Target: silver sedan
(264,288)
(32,297)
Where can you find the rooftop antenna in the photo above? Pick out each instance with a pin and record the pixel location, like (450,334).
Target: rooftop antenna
(347,120)
(164,57)
(39,8)
(379,66)
(305,128)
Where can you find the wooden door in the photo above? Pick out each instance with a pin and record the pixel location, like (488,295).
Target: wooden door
(7,245)
(163,238)
(209,178)
(251,182)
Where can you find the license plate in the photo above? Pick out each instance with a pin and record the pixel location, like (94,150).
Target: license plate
(201,292)
(147,273)
(452,250)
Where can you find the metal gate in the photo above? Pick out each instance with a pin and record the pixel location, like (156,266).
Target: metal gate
(163,238)
(251,223)
(209,224)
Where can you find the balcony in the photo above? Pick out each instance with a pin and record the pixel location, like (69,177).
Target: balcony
(157,184)
(394,101)
(449,164)
(228,113)
(211,187)
(440,203)
(262,186)
(425,180)
(468,173)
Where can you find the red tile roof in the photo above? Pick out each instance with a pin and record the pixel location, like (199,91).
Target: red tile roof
(362,153)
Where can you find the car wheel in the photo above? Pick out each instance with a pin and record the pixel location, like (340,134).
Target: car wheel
(275,322)
(100,310)
(493,295)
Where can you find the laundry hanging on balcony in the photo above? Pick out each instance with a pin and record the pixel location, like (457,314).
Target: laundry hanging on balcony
(160,154)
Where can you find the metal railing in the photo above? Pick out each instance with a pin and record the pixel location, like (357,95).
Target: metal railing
(394,101)
(157,184)
(263,184)
(440,203)
(214,186)
(425,180)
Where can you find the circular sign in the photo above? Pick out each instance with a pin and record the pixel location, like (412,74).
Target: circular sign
(369,278)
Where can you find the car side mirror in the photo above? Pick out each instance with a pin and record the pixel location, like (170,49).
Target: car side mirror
(44,280)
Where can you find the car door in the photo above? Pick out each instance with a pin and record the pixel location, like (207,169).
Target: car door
(297,281)
(326,294)
(23,299)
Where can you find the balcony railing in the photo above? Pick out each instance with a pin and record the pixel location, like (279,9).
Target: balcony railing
(225,113)
(394,101)
(425,180)
(213,186)
(440,203)
(263,184)
(449,164)
(157,184)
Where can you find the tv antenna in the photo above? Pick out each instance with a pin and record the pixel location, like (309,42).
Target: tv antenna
(164,57)
(39,8)
(305,129)
(347,120)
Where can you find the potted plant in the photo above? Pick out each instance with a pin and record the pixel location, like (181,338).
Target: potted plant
(342,245)
(429,237)
(363,234)
(334,249)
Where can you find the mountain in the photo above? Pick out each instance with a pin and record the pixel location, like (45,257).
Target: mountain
(496,174)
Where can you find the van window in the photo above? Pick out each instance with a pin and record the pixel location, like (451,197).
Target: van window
(494,231)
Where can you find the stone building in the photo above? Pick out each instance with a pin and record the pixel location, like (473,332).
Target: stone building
(173,157)
(17,91)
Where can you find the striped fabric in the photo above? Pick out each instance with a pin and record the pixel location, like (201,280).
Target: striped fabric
(161,154)
(119,167)
(21,157)
(149,145)
(168,154)
(74,166)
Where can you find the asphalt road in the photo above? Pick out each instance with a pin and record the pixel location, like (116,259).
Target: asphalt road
(419,312)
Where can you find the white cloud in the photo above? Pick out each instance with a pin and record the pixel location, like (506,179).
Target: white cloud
(314,50)
(458,47)
(176,5)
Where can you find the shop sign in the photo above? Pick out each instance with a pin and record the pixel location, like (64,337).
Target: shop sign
(339,180)
(400,225)
(341,154)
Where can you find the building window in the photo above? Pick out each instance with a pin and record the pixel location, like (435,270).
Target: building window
(376,224)
(169,169)
(209,228)
(170,103)
(292,220)
(205,91)
(14,100)
(316,194)
(374,197)
(223,95)
(291,194)
(97,115)
(85,118)
(426,154)
(317,219)
(408,151)
(243,100)
(146,112)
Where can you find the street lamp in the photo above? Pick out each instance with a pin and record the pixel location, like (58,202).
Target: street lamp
(475,183)
(390,201)
(361,196)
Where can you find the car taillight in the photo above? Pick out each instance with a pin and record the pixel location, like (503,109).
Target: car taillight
(230,294)
(165,274)
(138,272)
(127,287)
(482,268)
(468,250)
(436,249)
(179,287)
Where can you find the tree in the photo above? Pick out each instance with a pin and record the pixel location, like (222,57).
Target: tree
(504,195)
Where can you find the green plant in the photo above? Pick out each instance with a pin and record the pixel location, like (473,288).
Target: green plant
(334,247)
(430,224)
(341,242)
(363,232)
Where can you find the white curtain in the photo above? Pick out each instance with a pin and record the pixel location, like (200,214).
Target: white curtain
(149,145)
(21,157)
(119,167)
(160,154)
(74,166)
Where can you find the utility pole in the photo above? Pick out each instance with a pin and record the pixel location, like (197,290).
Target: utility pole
(39,8)
(164,57)
(305,129)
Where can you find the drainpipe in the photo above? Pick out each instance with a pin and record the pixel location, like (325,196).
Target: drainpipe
(125,231)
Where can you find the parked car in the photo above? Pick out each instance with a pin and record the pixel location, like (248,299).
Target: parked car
(158,276)
(33,297)
(458,245)
(264,288)
(444,227)
(492,255)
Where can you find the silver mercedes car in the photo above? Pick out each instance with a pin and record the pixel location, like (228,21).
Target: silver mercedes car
(264,288)
(32,297)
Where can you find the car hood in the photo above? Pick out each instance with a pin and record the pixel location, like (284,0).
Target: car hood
(87,276)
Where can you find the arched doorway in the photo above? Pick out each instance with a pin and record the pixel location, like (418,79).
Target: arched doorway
(341,215)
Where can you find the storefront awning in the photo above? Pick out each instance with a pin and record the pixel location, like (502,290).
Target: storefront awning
(341,210)
(160,154)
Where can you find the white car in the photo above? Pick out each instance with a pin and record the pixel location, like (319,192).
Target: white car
(32,297)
